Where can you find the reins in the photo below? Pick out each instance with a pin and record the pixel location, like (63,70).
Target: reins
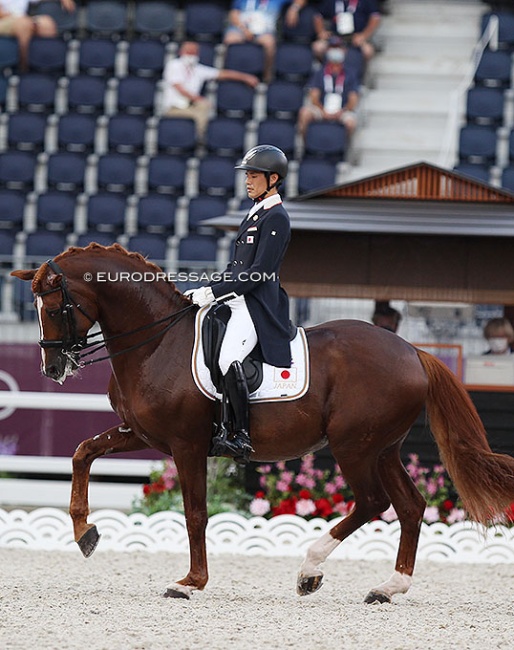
(72,345)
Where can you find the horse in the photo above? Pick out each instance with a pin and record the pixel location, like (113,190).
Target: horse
(367,387)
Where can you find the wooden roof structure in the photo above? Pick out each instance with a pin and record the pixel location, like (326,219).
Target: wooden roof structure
(420,232)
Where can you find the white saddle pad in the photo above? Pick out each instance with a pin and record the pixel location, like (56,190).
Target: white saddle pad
(277,383)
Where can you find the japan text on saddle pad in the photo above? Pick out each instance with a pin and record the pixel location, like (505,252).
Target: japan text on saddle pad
(278,384)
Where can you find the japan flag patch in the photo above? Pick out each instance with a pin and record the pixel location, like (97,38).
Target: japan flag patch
(249,239)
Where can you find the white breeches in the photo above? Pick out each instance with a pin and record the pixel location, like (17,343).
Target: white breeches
(240,337)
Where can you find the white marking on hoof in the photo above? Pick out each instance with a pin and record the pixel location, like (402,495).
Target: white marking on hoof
(398,583)
(176,590)
(316,554)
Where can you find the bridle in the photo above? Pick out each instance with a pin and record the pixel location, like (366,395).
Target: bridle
(71,344)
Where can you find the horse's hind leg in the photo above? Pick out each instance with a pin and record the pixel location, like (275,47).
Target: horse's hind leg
(410,506)
(370,500)
(113,440)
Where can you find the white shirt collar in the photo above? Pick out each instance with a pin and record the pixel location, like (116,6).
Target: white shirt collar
(266,203)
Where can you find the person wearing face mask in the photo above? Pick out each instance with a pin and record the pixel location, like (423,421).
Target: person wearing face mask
(251,287)
(500,336)
(333,91)
(184,78)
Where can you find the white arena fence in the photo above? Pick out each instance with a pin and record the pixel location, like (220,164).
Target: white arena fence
(50,528)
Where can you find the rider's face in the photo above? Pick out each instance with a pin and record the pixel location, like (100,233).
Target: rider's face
(256,183)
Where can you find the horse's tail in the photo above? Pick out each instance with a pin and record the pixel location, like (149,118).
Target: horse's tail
(483,479)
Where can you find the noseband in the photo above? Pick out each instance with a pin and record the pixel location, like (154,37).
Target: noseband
(72,344)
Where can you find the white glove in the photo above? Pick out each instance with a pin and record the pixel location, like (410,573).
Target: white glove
(202,296)
(189,293)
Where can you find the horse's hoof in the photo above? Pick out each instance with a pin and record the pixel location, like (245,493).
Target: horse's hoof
(178,591)
(377,597)
(308,585)
(89,541)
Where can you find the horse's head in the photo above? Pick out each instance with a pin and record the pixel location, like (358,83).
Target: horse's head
(65,315)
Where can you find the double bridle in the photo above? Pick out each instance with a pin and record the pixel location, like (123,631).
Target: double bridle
(71,344)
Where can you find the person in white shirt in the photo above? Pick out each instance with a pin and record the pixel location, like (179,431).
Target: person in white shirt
(14,21)
(184,78)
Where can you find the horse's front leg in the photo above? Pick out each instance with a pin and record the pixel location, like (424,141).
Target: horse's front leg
(117,439)
(192,470)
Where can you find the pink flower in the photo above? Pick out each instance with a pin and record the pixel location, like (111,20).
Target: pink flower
(265,469)
(455,514)
(431,487)
(305,481)
(283,486)
(259,507)
(339,481)
(343,508)
(305,507)
(330,488)
(431,514)
(389,514)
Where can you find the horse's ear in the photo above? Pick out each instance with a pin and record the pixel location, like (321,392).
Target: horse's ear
(27,274)
(53,279)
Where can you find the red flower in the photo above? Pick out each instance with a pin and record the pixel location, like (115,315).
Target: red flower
(323,508)
(260,495)
(337,498)
(448,504)
(286,507)
(147,489)
(510,512)
(305,494)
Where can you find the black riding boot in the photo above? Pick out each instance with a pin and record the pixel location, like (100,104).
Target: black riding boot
(236,443)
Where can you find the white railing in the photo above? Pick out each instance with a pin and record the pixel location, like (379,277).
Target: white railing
(447,154)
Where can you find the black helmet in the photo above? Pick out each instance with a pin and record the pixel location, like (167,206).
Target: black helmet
(265,158)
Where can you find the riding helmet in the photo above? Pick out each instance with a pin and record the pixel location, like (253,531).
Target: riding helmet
(265,158)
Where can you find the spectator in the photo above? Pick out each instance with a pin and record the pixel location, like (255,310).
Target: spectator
(184,78)
(332,91)
(14,21)
(500,336)
(354,20)
(386,316)
(256,21)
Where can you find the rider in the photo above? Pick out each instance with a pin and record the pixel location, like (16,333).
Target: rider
(250,286)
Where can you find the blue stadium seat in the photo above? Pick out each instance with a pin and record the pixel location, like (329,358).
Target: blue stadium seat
(245,57)
(167,174)
(479,172)
(126,134)
(204,21)
(67,21)
(304,31)
(76,133)
(477,144)
(216,176)
(281,133)
(156,214)
(207,53)
(26,132)
(494,69)
(176,136)
(116,172)
(36,93)
(135,96)
(47,56)
(9,55)
(56,211)
(205,207)
(17,170)
(225,137)
(97,57)
(284,100)
(105,213)
(7,241)
(327,140)
(106,19)
(293,62)
(511,146)
(150,245)
(485,106)
(197,251)
(12,210)
(315,174)
(3,93)
(23,300)
(155,20)
(146,59)
(506,28)
(66,172)
(508,178)
(86,95)
(234,99)
(42,244)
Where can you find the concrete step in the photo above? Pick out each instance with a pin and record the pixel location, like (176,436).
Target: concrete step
(432,30)
(457,48)
(409,137)
(413,103)
(436,10)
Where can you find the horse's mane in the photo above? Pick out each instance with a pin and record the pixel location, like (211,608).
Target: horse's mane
(93,246)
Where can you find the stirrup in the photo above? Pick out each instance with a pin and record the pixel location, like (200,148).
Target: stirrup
(237,447)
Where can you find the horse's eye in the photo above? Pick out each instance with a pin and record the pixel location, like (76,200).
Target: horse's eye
(53,312)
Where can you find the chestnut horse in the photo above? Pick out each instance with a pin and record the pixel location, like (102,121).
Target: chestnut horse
(367,388)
